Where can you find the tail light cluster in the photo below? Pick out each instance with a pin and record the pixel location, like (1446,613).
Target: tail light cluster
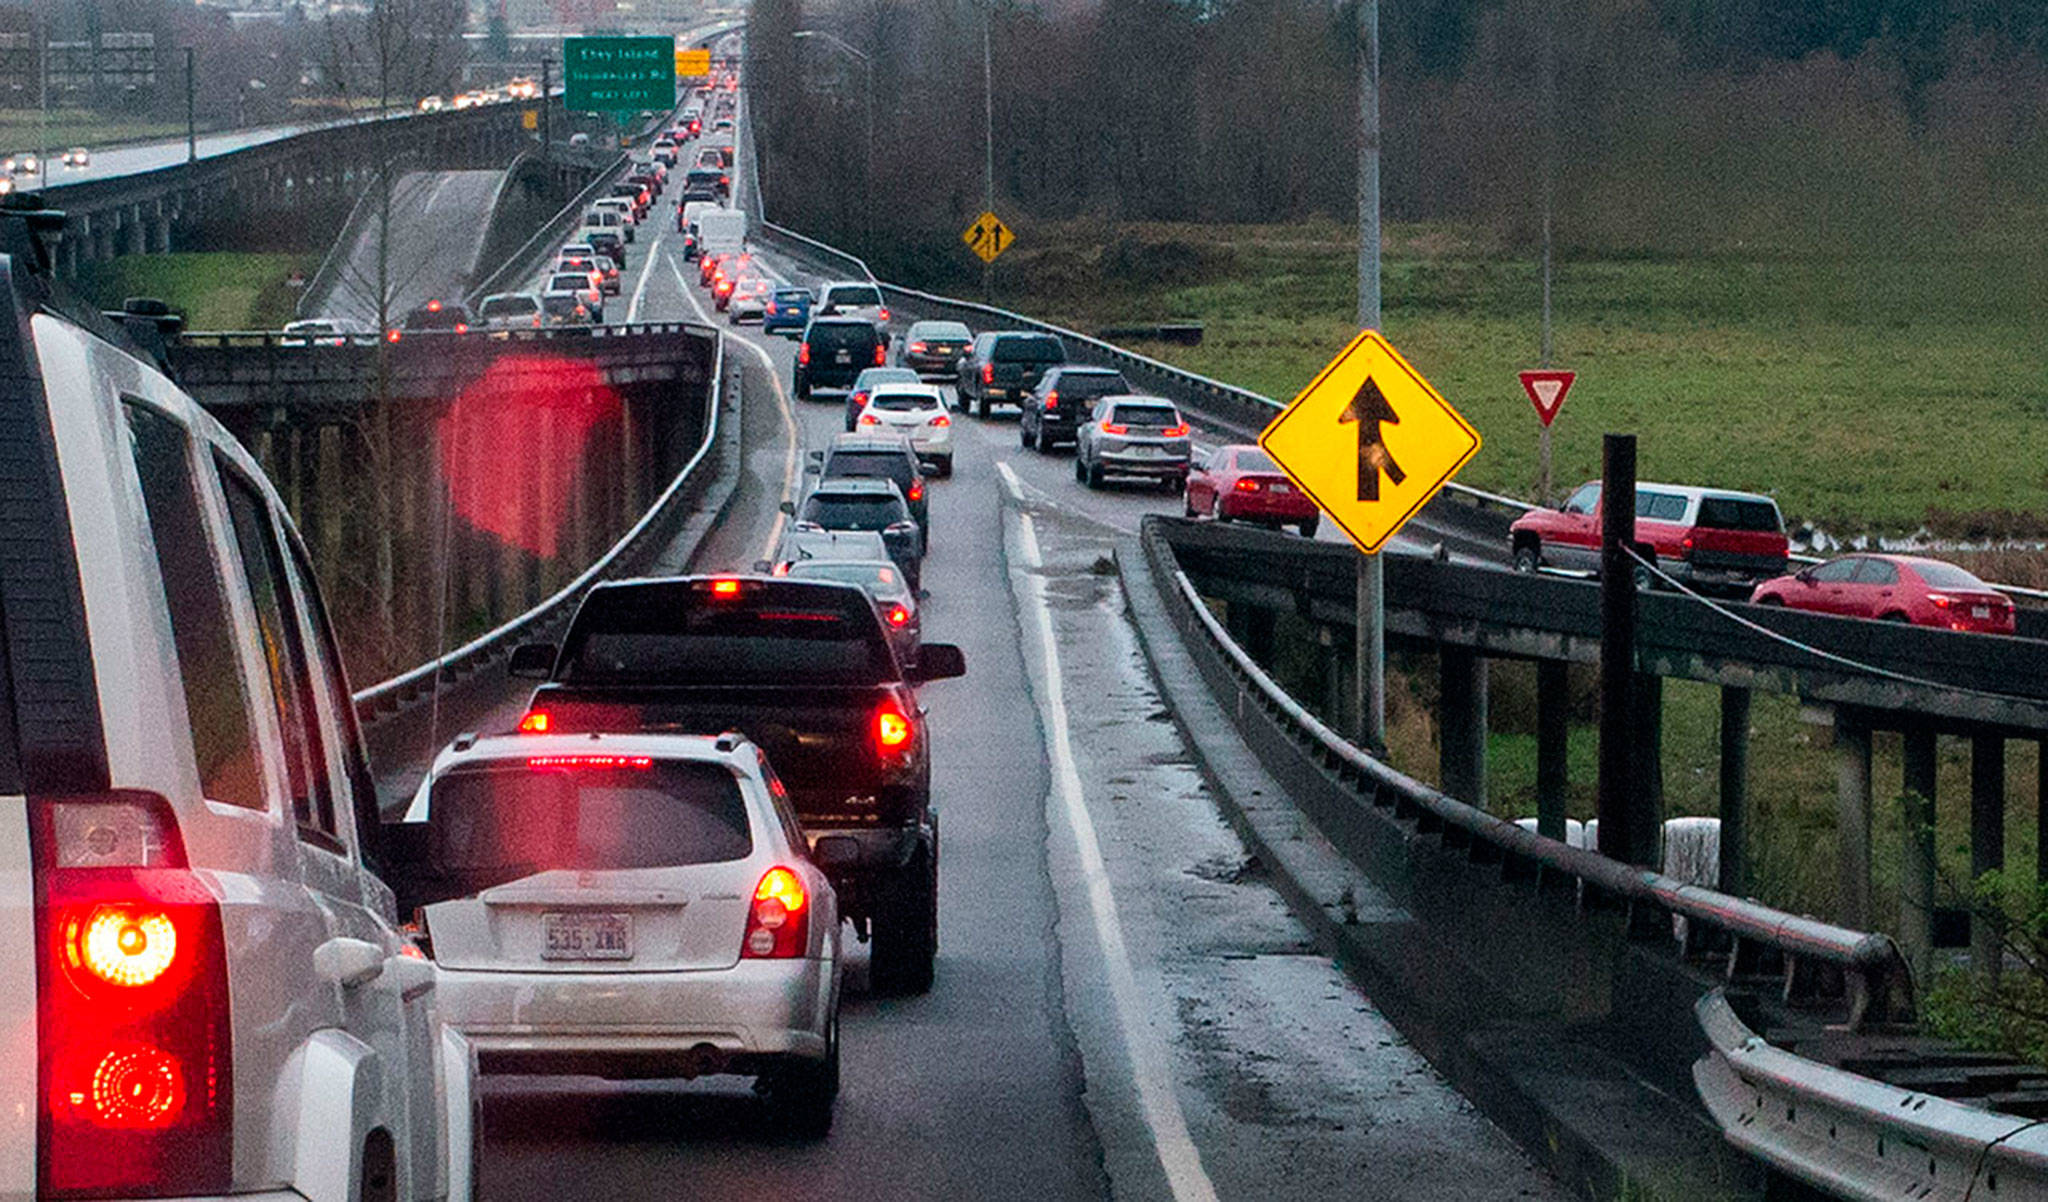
(803,353)
(893,731)
(1247,485)
(881,355)
(1115,428)
(940,420)
(869,419)
(885,312)
(916,490)
(988,373)
(1052,400)
(898,616)
(135,1056)
(779,923)
(1180,431)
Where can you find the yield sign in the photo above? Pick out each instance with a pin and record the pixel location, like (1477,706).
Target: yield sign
(1369,441)
(1546,391)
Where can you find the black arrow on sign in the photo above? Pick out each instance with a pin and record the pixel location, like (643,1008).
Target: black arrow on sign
(1369,408)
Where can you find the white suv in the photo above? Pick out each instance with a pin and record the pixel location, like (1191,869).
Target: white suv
(209,993)
(853,298)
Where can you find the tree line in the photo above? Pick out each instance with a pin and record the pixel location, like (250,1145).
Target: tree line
(1668,124)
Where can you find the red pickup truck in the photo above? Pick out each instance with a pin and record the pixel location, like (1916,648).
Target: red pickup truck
(1710,538)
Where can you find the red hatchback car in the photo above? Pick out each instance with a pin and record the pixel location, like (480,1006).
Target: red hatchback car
(1894,588)
(1242,483)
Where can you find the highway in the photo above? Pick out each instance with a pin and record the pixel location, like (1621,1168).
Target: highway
(1124,1006)
(438,222)
(136,158)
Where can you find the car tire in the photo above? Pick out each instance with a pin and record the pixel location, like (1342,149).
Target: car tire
(981,407)
(945,467)
(805,1094)
(1175,485)
(1096,476)
(1528,557)
(906,932)
(1080,469)
(1308,526)
(1024,438)
(1187,505)
(1773,601)
(803,389)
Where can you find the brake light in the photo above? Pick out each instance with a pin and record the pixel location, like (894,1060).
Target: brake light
(1943,600)
(917,490)
(1247,486)
(536,722)
(462,327)
(1180,431)
(898,616)
(433,306)
(881,355)
(391,335)
(940,420)
(885,312)
(772,309)
(803,353)
(725,588)
(892,730)
(1052,400)
(1115,428)
(916,348)
(869,419)
(131,977)
(589,761)
(779,924)
(988,373)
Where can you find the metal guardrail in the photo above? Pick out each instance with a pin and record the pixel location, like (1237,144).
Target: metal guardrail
(1815,962)
(314,343)
(1858,1138)
(390,695)
(522,262)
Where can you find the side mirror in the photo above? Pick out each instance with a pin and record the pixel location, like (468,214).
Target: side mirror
(939,661)
(788,507)
(835,851)
(533,661)
(347,962)
(812,469)
(816,456)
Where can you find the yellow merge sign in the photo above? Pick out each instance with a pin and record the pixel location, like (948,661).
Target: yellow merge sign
(693,64)
(1370,441)
(988,237)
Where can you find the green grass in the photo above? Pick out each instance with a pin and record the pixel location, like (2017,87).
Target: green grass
(1867,394)
(213,291)
(20,130)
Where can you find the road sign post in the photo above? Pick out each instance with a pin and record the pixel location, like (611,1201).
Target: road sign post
(1627,812)
(1370,442)
(1547,390)
(1369,643)
(618,75)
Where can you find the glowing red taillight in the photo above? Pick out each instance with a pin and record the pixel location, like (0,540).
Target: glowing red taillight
(462,327)
(869,419)
(881,355)
(391,335)
(988,373)
(133,1016)
(892,730)
(1052,400)
(885,313)
(1247,486)
(778,924)
(898,616)
(1180,431)
(803,352)
(536,722)
(940,420)
(1115,428)
(725,588)
(917,490)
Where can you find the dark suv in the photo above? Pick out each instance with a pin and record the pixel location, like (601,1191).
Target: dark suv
(884,457)
(1063,397)
(865,504)
(835,350)
(1004,366)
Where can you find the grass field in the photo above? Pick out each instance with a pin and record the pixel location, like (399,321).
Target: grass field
(1869,395)
(213,291)
(21,130)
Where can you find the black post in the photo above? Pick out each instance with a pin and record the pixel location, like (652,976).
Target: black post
(1553,746)
(1735,703)
(1626,831)
(1987,847)
(547,124)
(191,124)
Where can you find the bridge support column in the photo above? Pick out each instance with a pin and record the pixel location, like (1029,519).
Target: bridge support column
(1734,878)
(1852,820)
(1987,846)
(1916,861)
(134,241)
(1553,746)
(1461,742)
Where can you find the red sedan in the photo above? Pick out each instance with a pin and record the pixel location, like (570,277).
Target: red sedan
(1893,588)
(1241,483)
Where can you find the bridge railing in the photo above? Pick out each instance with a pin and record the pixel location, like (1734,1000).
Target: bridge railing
(631,553)
(1814,962)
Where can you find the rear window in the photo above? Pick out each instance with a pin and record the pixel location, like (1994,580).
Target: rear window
(903,402)
(867,575)
(1030,348)
(1661,506)
(940,331)
(709,178)
(503,823)
(1737,513)
(853,511)
(870,465)
(855,295)
(569,283)
(1090,383)
(1948,575)
(561,306)
(837,335)
(1256,461)
(510,306)
(792,296)
(815,645)
(1150,417)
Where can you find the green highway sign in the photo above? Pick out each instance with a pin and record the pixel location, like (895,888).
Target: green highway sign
(610,75)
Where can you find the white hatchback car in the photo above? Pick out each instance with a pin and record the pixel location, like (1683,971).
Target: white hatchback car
(918,413)
(208,991)
(629,906)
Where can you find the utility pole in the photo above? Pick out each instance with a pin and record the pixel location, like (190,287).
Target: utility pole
(1369,649)
(1628,828)
(1549,189)
(43,93)
(191,125)
(988,138)
(547,124)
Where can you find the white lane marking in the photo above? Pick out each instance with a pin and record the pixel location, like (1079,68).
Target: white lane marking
(436,193)
(1178,1156)
(649,255)
(781,399)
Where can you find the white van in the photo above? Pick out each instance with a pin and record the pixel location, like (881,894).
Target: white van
(208,991)
(721,230)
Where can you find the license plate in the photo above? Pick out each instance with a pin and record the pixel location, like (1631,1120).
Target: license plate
(578,936)
(842,357)
(1980,611)
(1144,452)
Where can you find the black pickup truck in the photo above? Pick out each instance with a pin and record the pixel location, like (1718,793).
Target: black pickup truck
(806,670)
(1004,366)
